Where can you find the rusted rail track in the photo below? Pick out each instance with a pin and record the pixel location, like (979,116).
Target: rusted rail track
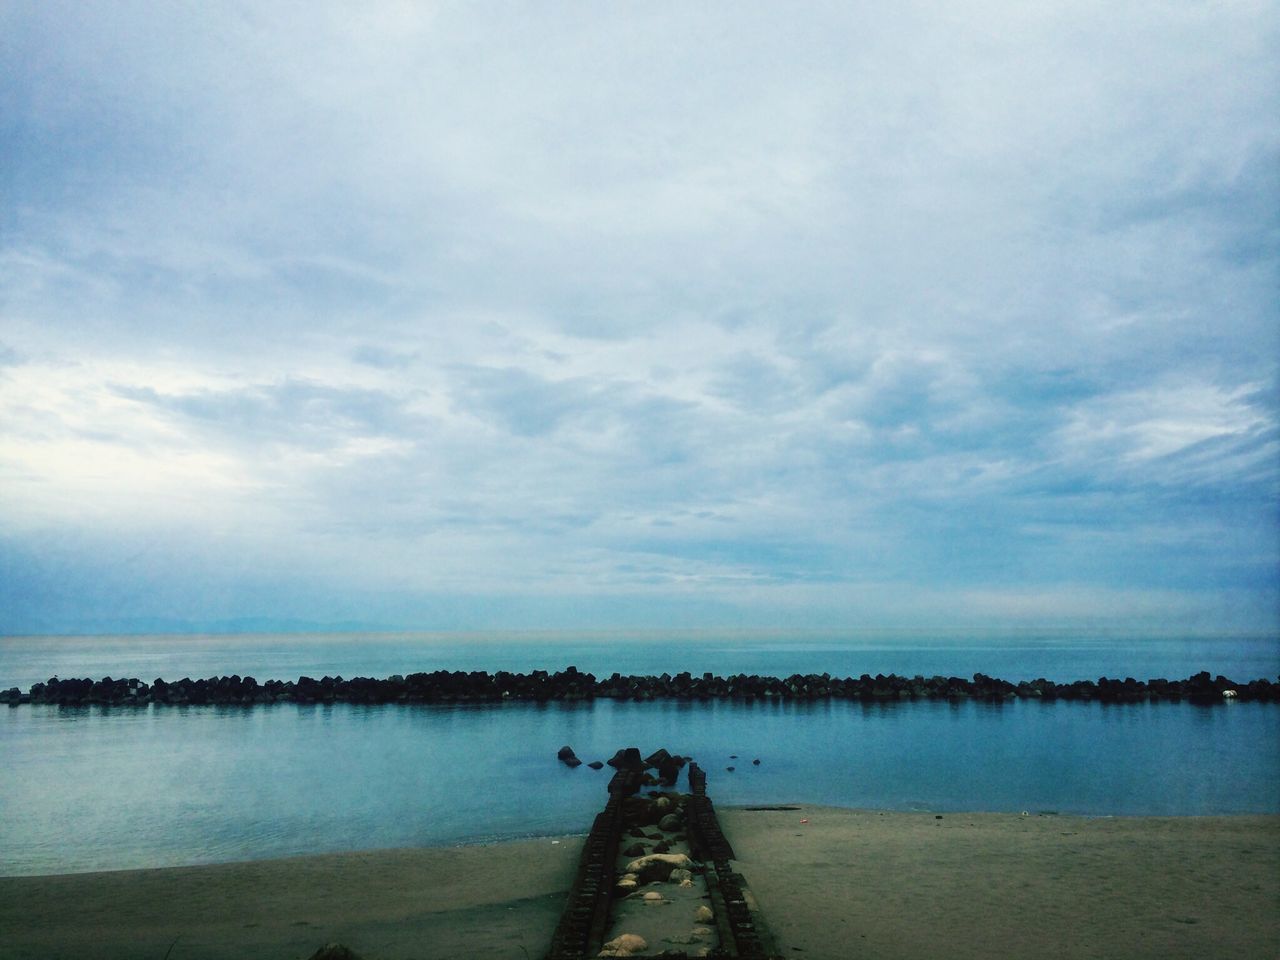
(580,932)
(738,920)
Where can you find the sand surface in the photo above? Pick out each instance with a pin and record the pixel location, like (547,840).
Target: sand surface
(430,904)
(845,885)
(852,884)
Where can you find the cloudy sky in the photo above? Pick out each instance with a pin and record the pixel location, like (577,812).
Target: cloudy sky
(581,315)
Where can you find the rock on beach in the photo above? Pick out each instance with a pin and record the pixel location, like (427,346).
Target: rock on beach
(626,945)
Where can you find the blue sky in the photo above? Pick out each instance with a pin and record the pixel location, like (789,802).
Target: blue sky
(611,315)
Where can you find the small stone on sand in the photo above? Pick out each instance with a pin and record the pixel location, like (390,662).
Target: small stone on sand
(627,945)
(658,866)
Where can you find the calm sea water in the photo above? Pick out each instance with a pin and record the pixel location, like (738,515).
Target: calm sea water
(107,788)
(1059,657)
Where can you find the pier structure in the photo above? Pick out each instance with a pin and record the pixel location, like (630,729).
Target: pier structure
(605,903)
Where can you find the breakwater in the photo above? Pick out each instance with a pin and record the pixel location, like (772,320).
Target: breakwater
(572,685)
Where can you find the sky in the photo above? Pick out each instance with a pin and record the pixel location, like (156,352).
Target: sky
(583,316)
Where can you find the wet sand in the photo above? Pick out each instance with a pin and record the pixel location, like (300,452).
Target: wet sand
(429,904)
(847,884)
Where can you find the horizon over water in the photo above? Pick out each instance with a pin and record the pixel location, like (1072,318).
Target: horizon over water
(1010,654)
(91,788)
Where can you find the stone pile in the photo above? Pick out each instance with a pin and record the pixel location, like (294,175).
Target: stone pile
(571,685)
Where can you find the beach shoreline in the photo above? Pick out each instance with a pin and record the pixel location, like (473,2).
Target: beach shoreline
(832,882)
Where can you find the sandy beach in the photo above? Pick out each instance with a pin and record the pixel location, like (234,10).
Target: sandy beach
(901,885)
(844,884)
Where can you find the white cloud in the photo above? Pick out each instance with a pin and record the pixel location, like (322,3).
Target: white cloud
(1135,427)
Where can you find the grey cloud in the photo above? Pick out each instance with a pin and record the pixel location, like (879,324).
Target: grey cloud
(760,384)
(942,251)
(521,402)
(382,358)
(295,412)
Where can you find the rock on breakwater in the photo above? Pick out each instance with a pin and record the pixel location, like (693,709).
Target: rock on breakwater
(571,685)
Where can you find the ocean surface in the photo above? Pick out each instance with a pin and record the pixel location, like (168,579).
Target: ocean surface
(95,788)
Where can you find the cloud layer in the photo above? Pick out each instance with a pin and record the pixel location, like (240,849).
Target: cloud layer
(421,316)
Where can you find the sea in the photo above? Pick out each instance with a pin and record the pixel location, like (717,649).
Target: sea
(110,788)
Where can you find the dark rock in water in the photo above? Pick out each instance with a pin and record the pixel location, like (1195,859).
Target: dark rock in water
(442,686)
(567,757)
(661,847)
(669,774)
(668,767)
(627,758)
(657,758)
(730,769)
(334,951)
(670,823)
(596,765)
(755,762)
(635,850)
